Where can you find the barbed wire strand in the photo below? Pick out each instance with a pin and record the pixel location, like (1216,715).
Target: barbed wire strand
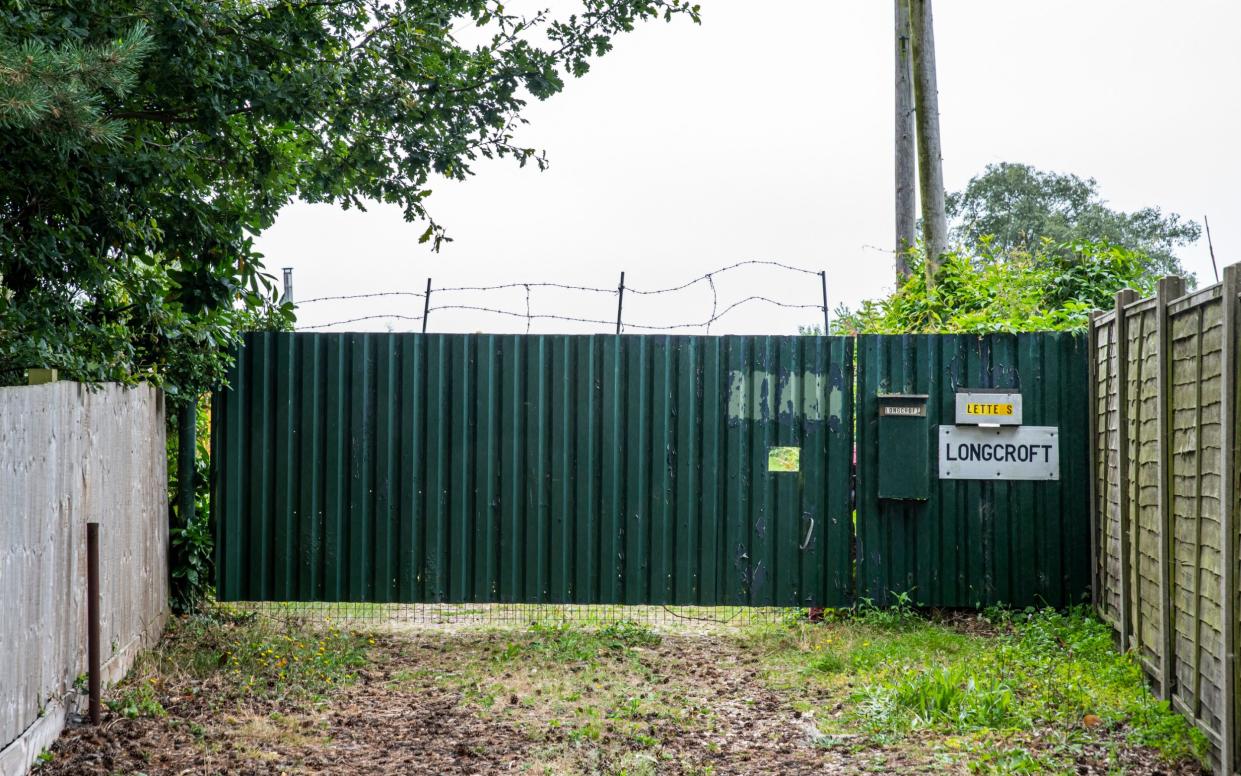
(714,302)
(700,278)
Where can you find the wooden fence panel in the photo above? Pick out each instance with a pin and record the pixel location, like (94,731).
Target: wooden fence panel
(1196,460)
(1167,479)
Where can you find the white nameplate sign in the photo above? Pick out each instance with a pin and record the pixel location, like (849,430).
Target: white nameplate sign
(1007,453)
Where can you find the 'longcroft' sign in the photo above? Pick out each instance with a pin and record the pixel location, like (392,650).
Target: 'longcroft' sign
(1008,453)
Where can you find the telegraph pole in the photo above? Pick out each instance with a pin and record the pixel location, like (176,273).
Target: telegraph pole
(906,203)
(930,154)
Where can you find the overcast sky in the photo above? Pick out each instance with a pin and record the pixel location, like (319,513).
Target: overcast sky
(767,133)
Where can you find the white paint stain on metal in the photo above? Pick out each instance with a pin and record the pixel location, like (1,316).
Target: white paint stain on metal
(760,394)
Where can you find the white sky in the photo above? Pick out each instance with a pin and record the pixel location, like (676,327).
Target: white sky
(766,133)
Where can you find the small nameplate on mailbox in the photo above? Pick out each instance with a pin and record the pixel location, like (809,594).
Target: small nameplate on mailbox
(989,408)
(903,410)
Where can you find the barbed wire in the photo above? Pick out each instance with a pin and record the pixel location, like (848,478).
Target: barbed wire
(529,316)
(709,275)
(372,295)
(357,320)
(565,286)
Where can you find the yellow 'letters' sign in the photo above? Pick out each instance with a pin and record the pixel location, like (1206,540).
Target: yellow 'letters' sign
(989,409)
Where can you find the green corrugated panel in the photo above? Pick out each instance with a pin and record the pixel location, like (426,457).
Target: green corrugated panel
(974,542)
(586,469)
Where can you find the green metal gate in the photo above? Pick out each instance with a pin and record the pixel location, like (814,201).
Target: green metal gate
(976,542)
(576,469)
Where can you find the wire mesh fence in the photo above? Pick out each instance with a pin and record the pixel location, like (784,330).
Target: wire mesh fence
(454,616)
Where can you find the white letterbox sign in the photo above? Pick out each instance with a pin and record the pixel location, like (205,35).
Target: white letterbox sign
(1005,453)
(988,408)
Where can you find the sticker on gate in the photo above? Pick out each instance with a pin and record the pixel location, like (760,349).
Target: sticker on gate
(784,459)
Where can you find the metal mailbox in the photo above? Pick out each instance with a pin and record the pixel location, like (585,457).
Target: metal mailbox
(904,447)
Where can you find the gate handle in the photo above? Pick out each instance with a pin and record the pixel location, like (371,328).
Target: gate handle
(806,542)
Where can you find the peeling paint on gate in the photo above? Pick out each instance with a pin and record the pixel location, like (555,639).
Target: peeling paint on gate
(763,395)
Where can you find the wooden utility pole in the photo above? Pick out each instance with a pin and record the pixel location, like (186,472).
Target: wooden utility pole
(930,157)
(906,202)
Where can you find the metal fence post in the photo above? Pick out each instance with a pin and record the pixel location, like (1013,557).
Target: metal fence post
(92,621)
(620,302)
(426,306)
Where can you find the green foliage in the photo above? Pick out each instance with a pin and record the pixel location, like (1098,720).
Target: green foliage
(59,91)
(143,144)
(192,543)
(1053,289)
(1017,208)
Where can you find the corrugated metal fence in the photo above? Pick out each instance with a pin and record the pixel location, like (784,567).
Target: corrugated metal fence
(1166,489)
(974,542)
(576,469)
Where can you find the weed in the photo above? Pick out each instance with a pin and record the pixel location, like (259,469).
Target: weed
(565,643)
(828,662)
(900,614)
(138,699)
(629,634)
(1017,760)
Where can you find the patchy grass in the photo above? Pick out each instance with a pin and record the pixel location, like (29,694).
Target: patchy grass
(869,690)
(257,658)
(1049,682)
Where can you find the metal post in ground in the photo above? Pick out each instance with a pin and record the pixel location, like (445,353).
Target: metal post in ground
(92,620)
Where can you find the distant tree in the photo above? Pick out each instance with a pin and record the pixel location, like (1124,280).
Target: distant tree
(1015,207)
(144,143)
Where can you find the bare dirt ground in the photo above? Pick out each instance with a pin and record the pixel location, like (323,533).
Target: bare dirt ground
(546,702)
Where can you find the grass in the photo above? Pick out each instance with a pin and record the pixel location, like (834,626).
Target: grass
(885,689)
(1040,675)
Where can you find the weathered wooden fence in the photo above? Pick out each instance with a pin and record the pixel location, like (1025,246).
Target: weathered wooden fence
(69,455)
(1165,493)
